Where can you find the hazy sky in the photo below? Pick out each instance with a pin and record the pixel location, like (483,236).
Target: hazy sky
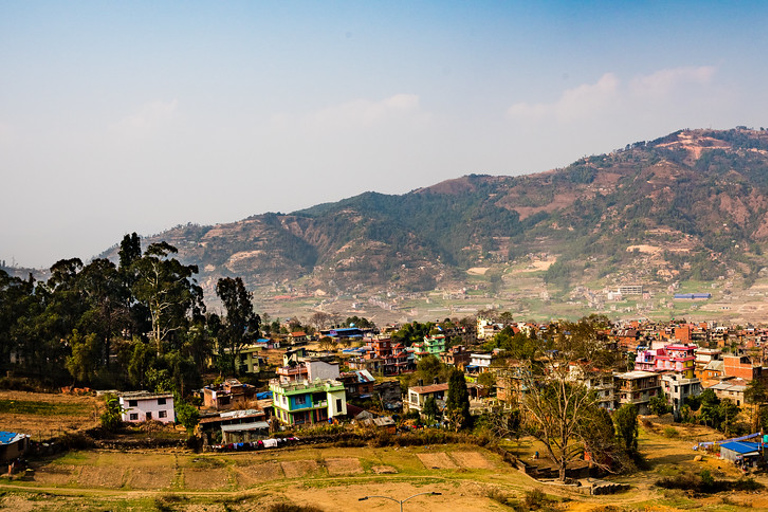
(137,116)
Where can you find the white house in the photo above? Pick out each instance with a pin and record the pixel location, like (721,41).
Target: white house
(143,406)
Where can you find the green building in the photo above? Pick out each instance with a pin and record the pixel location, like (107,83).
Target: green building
(307,403)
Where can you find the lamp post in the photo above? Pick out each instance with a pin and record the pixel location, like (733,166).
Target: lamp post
(403,501)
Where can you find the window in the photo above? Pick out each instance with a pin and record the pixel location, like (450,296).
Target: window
(132,403)
(301,400)
(149,416)
(163,414)
(134,417)
(338,404)
(161,401)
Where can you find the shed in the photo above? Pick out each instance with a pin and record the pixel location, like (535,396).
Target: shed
(739,450)
(243,432)
(12,446)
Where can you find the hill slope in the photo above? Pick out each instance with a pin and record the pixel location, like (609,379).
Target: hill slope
(690,205)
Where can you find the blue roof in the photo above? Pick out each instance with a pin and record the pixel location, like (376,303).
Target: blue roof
(8,437)
(741,447)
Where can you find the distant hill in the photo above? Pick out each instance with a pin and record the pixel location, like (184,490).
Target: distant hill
(689,205)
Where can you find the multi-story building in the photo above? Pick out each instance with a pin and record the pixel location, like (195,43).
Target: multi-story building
(637,387)
(358,384)
(601,382)
(310,370)
(140,406)
(433,344)
(308,402)
(457,356)
(677,358)
(677,387)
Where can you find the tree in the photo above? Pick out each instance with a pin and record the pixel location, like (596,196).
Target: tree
(430,409)
(187,414)
(111,418)
(168,291)
(553,410)
(487,379)
(242,324)
(83,362)
(457,401)
(625,422)
(659,405)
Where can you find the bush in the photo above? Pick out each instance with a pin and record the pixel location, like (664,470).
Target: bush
(705,483)
(289,507)
(671,432)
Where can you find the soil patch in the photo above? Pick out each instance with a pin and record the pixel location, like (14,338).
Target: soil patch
(151,477)
(436,461)
(472,460)
(209,478)
(299,468)
(252,474)
(384,470)
(348,466)
(111,477)
(47,415)
(55,474)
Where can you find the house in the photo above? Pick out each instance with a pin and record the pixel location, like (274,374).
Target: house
(250,360)
(677,387)
(432,344)
(231,394)
(417,395)
(741,367)
(599,381)
(12,446)
(308,370)
(358,384)
(457,356)
(144,406)
(235,426)
(732,389)
(308,402)
(637,387)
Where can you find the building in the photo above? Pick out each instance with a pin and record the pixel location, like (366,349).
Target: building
(358,384)
(417,395)
(309,370)
(678,388)
(457,356)
(732,389)
(433,344)
(141,406)
(12,446)
(235,426)
(308,403)
(741,367)
(637,387)
(231,394)
(250,360)
(599,381)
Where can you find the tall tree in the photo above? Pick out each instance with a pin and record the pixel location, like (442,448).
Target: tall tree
(457,401)
(625,421)
(168,290)
(242,324)
(554,408)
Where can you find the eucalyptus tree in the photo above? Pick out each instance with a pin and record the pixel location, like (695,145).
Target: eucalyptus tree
(168,290)
(242,324)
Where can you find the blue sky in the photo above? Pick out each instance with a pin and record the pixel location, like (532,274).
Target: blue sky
(137,116)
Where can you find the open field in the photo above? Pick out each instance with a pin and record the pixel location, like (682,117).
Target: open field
(334,478)
(46,415)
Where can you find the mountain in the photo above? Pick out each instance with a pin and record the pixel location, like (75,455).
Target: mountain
(692,205)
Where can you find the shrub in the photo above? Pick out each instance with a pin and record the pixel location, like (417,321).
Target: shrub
(671,432)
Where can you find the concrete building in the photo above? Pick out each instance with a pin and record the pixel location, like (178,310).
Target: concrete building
(141,406)
(307,403)
(637,387)
(417,395)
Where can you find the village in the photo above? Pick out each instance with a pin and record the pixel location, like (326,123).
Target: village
(370,383)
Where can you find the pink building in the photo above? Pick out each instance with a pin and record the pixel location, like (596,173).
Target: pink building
(141,406)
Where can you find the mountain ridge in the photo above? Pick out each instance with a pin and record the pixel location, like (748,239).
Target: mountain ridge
(689,205)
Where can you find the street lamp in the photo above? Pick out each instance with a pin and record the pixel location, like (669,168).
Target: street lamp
(403,501)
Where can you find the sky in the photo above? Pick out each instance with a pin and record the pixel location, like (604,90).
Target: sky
(139,116)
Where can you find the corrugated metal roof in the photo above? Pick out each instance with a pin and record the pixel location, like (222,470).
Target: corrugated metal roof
(741,447)
(10,437)
(244,427)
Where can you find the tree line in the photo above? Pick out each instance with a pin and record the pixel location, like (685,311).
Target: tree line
(140,323)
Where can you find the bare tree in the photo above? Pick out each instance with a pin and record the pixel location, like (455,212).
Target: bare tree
(554,408)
